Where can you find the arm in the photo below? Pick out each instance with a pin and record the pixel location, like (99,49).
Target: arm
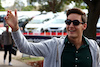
(44,48)
(38,49)
(98,55)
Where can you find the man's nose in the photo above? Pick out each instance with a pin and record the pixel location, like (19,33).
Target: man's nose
(71,24)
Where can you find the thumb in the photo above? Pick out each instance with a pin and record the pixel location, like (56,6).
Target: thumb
(15,12)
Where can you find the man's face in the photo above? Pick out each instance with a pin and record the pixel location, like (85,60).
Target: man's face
(75,31)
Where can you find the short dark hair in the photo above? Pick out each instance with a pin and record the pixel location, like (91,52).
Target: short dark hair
(77,11)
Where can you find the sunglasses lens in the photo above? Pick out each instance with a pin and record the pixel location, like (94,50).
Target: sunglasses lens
(68,22)
(76,22)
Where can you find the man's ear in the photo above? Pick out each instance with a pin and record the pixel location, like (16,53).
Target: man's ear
(84,26)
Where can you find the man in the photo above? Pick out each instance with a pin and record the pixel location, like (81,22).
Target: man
(75,50)
(7,41)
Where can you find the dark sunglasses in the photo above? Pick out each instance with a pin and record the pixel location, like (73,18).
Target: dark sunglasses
(75,22)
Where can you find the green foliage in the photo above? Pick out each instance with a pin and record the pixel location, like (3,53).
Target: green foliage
(79,5)
(28,8)
(33,58)
(47,8)
(18,4)
(1,8)
(56,5)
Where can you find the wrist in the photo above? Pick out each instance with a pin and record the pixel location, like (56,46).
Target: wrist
(15,29)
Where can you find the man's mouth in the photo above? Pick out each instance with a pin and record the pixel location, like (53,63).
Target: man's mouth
(72,30)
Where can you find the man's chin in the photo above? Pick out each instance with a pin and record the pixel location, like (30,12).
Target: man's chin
(72,36)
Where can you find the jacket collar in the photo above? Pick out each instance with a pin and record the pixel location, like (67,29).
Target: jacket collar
(83,39)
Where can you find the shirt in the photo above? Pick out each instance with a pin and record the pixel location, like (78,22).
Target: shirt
(52,49)
(71,57)
(7,39)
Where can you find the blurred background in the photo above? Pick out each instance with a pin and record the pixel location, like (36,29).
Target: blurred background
(47,17)
(43,19)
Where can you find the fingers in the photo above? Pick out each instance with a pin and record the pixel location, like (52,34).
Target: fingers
(15,12)
(7,16)
(9,11)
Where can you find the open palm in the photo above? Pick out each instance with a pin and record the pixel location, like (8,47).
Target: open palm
(12,20)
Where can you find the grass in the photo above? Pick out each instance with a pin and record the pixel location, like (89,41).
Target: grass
(29,59)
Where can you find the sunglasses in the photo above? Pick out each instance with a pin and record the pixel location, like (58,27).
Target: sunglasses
(75,22)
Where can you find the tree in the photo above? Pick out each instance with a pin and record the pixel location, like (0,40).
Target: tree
(17,4)
(28,8)
(93,16)
(51,5)
(1,8)
(55,5)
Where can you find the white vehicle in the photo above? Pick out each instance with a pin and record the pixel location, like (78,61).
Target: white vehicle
(56,25)
(2,29)
(98,25)
(36,24)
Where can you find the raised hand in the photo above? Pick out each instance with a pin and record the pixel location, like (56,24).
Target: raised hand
(12,20)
